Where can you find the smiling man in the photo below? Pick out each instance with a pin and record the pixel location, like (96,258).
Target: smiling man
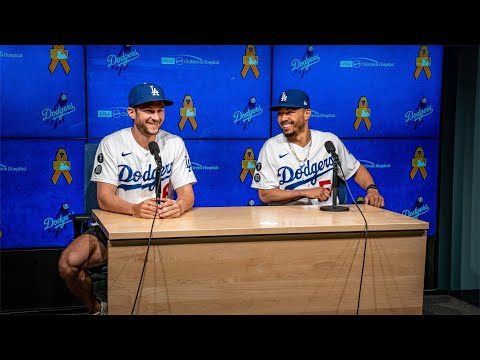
(294,167)
(125,172)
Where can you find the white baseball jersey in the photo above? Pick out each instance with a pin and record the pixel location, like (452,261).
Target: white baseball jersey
(277,166)
(121,161)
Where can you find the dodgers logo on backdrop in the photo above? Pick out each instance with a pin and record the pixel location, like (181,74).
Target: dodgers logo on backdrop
(58,222)
(423,63)
(59,55)
(188,112)
(362,113)
(62,108)
(422,110)
(419,208)
(250,62)
(120,61)
(308,59)
(248,164)
(246,117)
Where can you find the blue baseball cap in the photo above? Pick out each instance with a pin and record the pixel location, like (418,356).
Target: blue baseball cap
(147,92)
(292,99)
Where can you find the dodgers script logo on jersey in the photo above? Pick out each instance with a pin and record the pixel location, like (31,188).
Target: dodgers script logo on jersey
(146,180)
(312,171)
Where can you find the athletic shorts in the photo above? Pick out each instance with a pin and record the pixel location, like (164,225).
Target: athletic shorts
(96,231)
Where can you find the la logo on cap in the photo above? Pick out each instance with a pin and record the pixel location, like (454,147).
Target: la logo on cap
(154,91)
(284,97)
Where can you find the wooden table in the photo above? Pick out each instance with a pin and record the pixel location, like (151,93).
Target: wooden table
(267,260)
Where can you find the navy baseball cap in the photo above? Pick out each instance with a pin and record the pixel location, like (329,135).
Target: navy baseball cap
(292,99)
(147,92)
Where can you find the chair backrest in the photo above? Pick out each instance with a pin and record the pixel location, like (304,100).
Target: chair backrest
(89,188)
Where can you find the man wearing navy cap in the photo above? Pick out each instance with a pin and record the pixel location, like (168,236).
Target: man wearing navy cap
(295,167)
(125,171)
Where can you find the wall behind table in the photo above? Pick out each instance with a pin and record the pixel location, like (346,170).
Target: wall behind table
(60,97)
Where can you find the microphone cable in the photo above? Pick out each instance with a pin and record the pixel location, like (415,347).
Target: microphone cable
(145,260)
(366,237)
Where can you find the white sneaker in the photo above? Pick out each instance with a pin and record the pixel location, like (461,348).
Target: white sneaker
(103,309)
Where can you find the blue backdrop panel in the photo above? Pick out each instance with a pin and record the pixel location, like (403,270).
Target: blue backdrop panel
(37,201)
(212,97)
(364,91)
(224,170)
(407,189)
(42,91)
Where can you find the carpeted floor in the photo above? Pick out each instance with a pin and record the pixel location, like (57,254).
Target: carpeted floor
(447,305)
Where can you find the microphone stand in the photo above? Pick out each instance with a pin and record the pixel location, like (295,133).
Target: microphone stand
(334,207)
(158,182)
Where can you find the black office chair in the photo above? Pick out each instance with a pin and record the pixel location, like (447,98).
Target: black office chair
(81,222)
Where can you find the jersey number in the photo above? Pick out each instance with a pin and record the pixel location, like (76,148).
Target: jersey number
(165,191)
(324,183)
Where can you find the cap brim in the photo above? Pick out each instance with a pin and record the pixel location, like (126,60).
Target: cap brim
(276,108)
(165,102)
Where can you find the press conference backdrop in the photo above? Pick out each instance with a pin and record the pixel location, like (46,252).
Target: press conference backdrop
(383,101)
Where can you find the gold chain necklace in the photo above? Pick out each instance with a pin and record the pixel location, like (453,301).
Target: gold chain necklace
(308,151)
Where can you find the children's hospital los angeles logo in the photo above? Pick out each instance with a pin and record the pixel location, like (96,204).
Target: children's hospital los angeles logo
(308,59)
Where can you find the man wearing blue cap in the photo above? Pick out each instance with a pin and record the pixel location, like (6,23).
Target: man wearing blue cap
(125,170)
(295,167)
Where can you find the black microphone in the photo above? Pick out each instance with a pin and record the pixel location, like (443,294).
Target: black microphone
(331,150)
(155,150)
(336,161)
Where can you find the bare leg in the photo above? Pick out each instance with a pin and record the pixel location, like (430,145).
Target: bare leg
(83,252)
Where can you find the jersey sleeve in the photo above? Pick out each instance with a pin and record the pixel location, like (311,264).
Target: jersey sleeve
(265,176)
(105,165)
(348,162)
(182,170)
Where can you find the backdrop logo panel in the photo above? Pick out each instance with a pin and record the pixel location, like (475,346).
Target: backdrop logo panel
(245,117)
(250,62)
(419,163)
(423,62)
(416,117)
(57,222)
(308,59)
(248,164)
(188,113)
(362,113)
(187,59)
(59,55)
(61,167)
(60,109)
(419,208)
(363,62)
(119,62)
